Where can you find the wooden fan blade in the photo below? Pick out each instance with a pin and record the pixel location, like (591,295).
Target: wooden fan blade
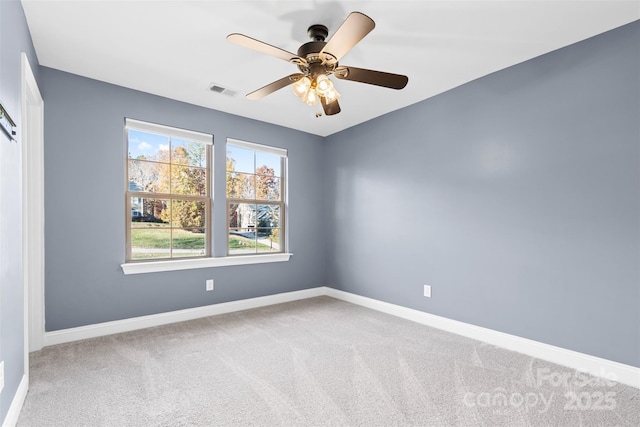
(372,77)
(330,109)
(272,87)
(353,29)
(263,47)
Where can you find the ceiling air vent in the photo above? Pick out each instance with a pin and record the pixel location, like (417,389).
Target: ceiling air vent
(214,87)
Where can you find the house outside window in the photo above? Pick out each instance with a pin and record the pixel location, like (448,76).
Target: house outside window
(168,193)
(255,187)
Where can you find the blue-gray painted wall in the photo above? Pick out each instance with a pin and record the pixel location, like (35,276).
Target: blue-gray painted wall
(84,207)
(14,39)
(516,196)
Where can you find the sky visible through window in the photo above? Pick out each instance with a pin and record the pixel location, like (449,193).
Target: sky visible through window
(146,144)
(245,161)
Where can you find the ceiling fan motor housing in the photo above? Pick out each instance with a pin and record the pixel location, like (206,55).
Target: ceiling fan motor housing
(310,51)
(310,48)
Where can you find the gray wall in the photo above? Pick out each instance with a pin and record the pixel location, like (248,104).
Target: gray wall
(14,39)
(515,196)
(84,207)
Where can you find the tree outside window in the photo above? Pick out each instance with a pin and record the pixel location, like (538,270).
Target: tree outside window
(255,198)
(168,192)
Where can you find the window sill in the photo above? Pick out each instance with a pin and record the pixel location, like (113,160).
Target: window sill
(187,264)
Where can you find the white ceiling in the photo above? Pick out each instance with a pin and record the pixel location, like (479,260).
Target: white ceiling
(176,49)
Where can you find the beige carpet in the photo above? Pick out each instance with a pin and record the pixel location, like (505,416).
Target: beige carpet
(310,363)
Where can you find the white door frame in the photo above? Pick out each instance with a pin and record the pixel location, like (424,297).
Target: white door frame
(32,137)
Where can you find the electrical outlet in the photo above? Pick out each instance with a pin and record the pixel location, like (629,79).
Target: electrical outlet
(210,284)
(1,376)
(427,291)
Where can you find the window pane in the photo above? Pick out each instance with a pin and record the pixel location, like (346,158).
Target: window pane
(242,241)
(268,232)
(149,210)
(268,161)
(234,186)
(268,188)
(242,215)
(268,240)
(188,214)
(268,216)
(232,215)
(188,242)
(188,180)
(137,209)
(148,176)
(242,228)
(241,185)
(150,240)
(188,153)
(240,159)
(144,145)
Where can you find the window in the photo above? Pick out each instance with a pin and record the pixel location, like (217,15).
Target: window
(168,194)
(169,201)
(255,198)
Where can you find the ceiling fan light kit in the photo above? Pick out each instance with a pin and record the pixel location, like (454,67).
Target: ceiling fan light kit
(309,90)
(318,59)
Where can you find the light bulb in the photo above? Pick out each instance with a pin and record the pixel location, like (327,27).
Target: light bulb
(323,85)
(310,98)
(331,96)
(301,87)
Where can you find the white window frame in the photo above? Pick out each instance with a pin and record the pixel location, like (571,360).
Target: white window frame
(171,133)
(282,203)
(176,264)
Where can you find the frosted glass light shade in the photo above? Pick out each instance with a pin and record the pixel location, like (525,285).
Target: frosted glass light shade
(301,87)
(323,85)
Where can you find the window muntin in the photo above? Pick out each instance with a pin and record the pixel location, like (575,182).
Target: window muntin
(168,192)
(255,177)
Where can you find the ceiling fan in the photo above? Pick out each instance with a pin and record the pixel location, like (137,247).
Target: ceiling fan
(318,59)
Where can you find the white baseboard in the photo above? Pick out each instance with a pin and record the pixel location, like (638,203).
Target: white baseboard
(16,404)
(595,366)
(598,367)
(126,325)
